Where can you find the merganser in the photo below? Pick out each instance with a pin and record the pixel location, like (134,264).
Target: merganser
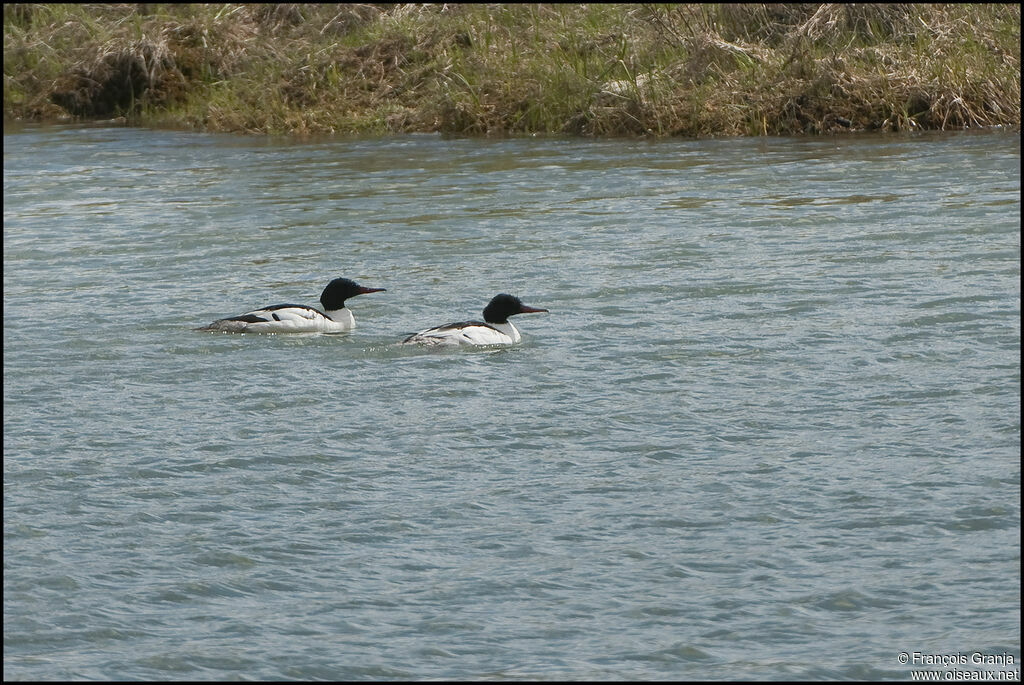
(298,318)
(495,329)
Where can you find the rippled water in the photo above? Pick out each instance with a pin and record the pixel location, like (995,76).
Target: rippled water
(770,428)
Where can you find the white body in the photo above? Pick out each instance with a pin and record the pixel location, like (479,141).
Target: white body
(468,333)
(291,319)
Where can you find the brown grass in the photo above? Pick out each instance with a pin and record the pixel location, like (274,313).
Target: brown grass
(595,70)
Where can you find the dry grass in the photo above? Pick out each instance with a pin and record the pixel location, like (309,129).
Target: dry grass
(686,70)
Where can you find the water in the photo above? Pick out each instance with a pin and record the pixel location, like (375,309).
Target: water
(770,428)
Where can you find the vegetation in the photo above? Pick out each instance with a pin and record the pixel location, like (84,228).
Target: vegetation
(600,69)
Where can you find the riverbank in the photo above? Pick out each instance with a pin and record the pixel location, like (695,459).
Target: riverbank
(593,70)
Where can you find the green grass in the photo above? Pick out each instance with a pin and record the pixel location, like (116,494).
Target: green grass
(594,70)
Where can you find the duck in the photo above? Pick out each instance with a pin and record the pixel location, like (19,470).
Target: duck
(495,329)
(298,318)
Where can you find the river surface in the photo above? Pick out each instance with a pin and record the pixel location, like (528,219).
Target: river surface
(769,429)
